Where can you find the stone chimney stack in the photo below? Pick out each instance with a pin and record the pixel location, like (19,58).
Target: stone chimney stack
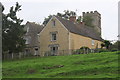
(72,18)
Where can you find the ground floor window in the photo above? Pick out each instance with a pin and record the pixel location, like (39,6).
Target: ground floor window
(54,50)
(36,51)
(27,51)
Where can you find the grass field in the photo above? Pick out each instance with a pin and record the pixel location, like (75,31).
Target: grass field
(93,65)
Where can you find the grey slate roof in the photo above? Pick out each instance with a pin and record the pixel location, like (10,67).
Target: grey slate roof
(80,29)
(34,29)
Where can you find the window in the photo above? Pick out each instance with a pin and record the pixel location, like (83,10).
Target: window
(54,50)
(36,51)
(93,42)
(53,22)
(27,41)
(28,38)
(53,37)
(27,51)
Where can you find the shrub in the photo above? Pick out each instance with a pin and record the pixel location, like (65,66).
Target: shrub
(82,50)
(103,50)
(118,52)
(114,49)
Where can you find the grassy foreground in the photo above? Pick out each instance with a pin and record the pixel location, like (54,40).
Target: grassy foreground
(93,65)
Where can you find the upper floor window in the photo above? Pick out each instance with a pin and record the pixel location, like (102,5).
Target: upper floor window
(28,39)
(53,37)
(93,42)
(53,23)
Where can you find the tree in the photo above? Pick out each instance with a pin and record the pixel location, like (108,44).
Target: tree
(79,19)
(88,21)
(102,45)
(47,19)
(12,31)
(68,13)
(65,15)
(107,44)
(116,46)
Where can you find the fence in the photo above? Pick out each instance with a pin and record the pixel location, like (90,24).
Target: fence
(7,56)
(68,52)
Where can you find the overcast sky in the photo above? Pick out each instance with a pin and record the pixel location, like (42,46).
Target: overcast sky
(37,10)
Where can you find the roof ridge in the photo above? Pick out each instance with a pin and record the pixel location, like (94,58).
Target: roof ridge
(79,29)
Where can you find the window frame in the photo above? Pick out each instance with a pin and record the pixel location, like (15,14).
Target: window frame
(92,42)
(53,23)
(53,36)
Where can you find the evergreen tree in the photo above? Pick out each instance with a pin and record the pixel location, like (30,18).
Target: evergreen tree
(12,31)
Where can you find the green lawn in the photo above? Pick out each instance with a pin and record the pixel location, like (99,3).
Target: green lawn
(93,65)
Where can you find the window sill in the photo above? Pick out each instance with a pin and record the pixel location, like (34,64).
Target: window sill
(53,40)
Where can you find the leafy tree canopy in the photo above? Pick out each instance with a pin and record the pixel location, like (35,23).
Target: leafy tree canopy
(116,45)
(106,44)
(88,21)
(66,14)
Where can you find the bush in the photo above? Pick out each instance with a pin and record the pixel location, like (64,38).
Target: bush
(84,47)
(114,49)
(118,52)
(103,50)
(82,50)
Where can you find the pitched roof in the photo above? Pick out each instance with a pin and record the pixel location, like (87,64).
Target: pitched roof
(80,29)
(34,28)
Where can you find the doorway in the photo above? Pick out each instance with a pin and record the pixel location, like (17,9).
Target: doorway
(54,50)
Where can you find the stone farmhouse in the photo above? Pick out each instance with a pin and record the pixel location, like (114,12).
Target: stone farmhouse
(63,35)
